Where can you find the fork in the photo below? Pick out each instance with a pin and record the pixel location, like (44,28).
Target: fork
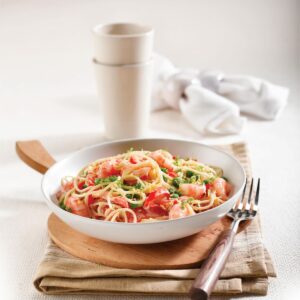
(246,209)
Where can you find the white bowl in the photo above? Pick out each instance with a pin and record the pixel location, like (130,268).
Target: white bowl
(143,233)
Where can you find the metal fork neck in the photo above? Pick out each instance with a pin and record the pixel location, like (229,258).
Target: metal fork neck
(235,225)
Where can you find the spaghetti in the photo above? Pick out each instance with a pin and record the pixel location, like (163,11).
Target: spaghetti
(143,186)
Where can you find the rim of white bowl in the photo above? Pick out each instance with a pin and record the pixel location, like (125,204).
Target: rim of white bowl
(68,214)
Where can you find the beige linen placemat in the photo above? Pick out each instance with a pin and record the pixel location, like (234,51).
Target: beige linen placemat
(246,272)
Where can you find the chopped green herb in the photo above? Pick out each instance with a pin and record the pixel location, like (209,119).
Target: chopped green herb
(105,180)
(225,178)
(193,179)
(174,195)
(138,185)
(133,196)
(172,190)
(112,178)
(62,205)
(206,181)
(164,170)
(118,182)
(189,174)
(177,161)
(135,205)
(176,182)
(165,178)
(84,186)
(97,181)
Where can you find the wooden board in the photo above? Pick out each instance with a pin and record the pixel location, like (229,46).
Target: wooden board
(180,254)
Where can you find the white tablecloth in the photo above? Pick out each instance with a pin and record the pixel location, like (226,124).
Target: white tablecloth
(47,92)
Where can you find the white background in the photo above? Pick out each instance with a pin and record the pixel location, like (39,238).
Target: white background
(47,91)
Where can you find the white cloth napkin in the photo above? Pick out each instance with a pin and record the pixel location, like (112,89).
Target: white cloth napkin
(210,113)
(211,101)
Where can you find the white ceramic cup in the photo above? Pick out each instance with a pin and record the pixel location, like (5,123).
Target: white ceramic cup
(124,92)
(122,43)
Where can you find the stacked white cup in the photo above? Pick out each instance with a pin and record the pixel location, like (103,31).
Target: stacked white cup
(123,66)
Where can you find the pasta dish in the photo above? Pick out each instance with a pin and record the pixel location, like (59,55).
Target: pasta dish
(143,186)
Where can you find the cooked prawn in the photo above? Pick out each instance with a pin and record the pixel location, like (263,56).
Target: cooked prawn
(193,190)
(179,211)
(77,207)
(163,158)
(220,186)
(108,168)
(143,173)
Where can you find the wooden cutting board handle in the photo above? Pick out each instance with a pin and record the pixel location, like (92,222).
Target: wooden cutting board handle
(35,155)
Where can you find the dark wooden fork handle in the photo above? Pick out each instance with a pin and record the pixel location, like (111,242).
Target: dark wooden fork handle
(212,267)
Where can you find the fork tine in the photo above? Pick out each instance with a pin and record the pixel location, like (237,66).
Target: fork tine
(244,190)
(247,204)
(257,194)
(239,203)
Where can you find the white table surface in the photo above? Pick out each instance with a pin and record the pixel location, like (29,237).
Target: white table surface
(47,92)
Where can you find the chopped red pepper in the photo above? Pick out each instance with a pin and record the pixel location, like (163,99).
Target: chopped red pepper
(172,173)
(157,202)
(81,184)
(133,159)
(91,200)
(208,186)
